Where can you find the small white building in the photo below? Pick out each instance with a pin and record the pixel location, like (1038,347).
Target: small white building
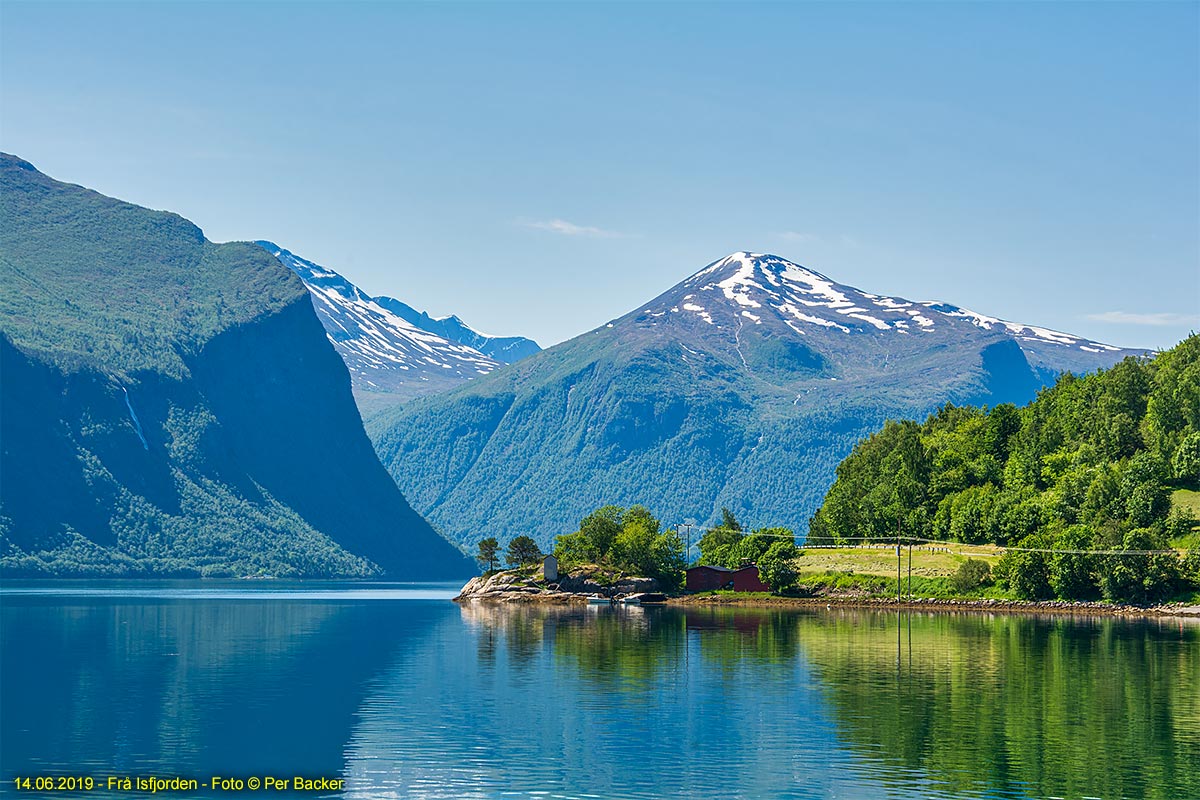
(550,568)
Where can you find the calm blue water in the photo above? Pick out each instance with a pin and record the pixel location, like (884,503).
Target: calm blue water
(401,693)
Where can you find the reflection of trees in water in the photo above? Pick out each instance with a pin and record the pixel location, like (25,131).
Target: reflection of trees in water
(623,645)
(731,636)
(1012,705)
(634,644)
(1047,707)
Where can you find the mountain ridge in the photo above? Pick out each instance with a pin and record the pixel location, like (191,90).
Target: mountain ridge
(391,349)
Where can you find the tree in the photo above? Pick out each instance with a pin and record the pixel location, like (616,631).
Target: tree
(573,549)
(633,547)
(521,551)
(1186,462)
(1141,577)
(489,554)
(667,560)
(777,566)
(717,544)
(1071,573)
(1003,422)
(1026,570)
(1147,504)
(751,548)
(641,549)
(599,529)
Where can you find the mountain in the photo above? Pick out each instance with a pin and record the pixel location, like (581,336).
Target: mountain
(172,406)
(743,386)
(392,349)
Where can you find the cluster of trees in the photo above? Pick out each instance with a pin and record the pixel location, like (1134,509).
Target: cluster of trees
(772,549)
(630,540)
(522,551)
(1088,466)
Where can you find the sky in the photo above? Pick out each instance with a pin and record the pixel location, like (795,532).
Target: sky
(540,169)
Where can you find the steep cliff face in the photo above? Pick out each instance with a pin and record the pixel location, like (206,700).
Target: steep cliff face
(172,406)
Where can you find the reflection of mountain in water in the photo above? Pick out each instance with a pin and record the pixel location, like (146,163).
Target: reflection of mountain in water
(186,687)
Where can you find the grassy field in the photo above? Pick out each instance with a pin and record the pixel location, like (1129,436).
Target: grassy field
(927,562)
(1187,499)
(871,570)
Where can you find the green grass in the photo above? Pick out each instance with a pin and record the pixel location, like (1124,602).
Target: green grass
(738,595)
(1186,499)
(926,562)
(843,583)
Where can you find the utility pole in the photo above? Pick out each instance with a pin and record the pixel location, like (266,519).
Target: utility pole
(897,557)
(910,568)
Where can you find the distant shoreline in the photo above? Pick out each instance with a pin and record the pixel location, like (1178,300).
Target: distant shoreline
(509,587)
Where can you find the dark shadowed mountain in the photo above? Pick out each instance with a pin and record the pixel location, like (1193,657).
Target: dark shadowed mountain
(172,406)
(742,386)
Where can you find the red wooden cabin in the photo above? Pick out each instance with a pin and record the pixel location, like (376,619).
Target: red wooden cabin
(742,579)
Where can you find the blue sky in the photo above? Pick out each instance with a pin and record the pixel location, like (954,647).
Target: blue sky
(540,169)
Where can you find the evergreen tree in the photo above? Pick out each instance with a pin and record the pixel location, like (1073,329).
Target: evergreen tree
(522,550)
(489,554)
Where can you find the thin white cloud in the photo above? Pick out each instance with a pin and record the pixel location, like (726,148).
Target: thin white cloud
(797,236)
(1158,319)
(570,228)
(802,237)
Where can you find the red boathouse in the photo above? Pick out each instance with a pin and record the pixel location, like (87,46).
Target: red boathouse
(742,579)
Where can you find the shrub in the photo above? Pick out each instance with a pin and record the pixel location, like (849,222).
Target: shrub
(971,575)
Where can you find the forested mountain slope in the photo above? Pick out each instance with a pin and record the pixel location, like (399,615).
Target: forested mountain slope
(172,406)
(742,387)
(1089,465)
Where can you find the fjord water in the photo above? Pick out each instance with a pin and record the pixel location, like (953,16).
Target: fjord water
(404,694)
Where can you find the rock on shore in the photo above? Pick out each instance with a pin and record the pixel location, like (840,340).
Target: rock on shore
(514,586)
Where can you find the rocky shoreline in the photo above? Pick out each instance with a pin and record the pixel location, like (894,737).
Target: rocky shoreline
(516,587)
(1064,607)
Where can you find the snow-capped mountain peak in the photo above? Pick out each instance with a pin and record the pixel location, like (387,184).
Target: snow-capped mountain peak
(759,285)
(390,347)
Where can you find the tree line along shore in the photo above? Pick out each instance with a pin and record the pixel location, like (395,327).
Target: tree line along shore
(1088,495)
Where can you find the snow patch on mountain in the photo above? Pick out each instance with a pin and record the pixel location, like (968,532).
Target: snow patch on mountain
(382,346)
(801,295)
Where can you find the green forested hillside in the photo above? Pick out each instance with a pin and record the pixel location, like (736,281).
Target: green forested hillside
(172,406)
(89,280)
(1090,465)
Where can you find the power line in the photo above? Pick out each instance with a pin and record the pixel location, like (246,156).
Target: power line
(1056,550)
(888,542)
